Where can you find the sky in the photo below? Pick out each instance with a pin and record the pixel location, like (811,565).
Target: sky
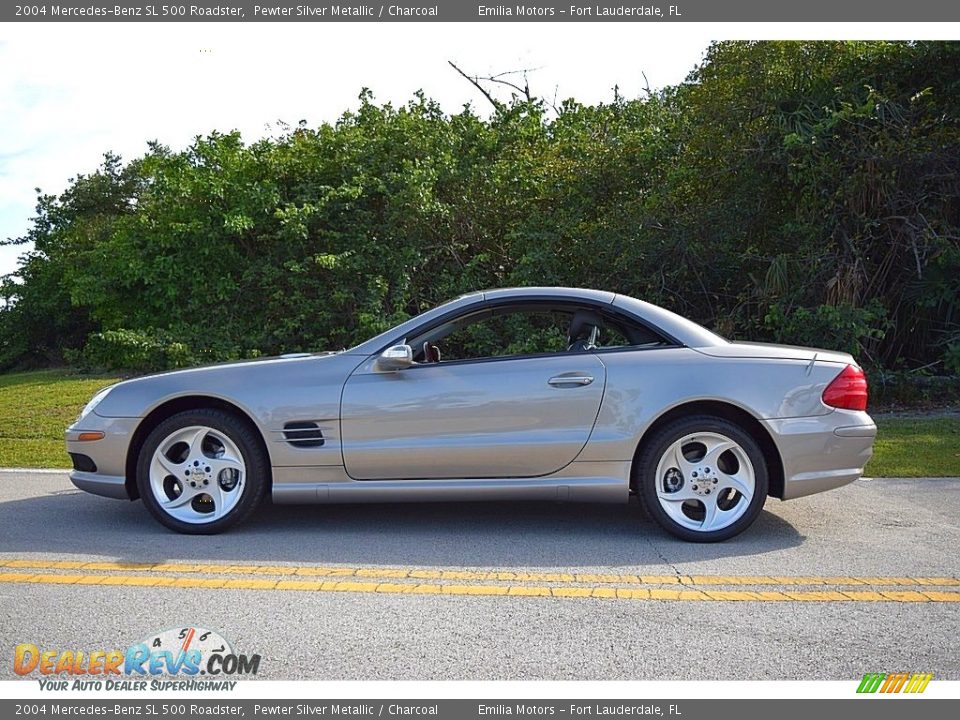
(69,92)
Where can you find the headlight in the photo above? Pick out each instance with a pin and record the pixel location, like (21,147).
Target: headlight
(94,401)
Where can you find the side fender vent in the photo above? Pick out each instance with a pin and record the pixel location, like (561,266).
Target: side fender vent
(303,434)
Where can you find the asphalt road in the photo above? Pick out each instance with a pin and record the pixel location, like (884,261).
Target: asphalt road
(862,579)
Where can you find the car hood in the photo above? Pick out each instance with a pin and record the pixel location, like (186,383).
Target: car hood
(230,365)
(251,384)
(775,352)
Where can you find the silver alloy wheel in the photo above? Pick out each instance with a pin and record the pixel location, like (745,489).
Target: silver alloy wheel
(705,481)
(197,474)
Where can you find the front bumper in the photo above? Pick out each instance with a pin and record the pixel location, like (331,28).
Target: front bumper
(108,474)
(111,486)
(822,452)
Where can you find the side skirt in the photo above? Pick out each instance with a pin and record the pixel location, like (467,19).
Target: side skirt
(601,482)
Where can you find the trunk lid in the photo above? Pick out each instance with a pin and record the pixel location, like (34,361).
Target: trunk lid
(776,352)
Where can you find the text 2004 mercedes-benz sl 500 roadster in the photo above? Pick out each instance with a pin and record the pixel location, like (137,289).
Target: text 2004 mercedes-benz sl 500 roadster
(552,394)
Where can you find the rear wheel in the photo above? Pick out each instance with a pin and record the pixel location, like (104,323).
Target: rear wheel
(202,471)
(702,478)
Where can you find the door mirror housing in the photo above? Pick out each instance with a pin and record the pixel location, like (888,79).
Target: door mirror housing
(397,357)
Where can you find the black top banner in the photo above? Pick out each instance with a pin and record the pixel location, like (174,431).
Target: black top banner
(472,11)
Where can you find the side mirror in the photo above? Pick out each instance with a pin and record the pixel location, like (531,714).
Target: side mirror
(398,357)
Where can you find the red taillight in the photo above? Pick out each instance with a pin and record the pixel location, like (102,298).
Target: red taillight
(848,390)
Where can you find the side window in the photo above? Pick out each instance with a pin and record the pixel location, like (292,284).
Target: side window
(530,330)
(504,333)
(621,333)
(612,336)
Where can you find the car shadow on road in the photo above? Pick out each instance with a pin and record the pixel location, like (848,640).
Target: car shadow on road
(494,535)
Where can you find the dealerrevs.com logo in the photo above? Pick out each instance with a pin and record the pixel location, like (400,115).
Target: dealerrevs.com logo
(189,658)
(903,682)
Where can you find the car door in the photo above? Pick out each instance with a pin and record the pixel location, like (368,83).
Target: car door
(494,417)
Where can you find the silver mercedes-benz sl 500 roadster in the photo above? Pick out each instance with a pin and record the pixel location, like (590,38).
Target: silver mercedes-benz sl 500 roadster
(553,394)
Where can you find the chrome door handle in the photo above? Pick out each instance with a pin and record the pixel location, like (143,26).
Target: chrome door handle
(562,380)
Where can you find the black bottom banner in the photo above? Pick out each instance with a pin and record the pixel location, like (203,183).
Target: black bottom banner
(786,709)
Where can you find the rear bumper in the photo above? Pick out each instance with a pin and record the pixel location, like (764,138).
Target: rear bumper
(822,452)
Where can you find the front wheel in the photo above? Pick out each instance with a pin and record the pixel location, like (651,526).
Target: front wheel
(202,471)
(702,478)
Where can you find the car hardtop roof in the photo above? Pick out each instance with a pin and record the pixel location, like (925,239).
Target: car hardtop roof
(601,296)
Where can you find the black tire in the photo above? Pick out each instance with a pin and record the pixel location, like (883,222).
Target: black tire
(654,447)
(247,440)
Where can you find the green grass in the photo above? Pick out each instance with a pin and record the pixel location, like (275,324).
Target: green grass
(916,447)
(36,407)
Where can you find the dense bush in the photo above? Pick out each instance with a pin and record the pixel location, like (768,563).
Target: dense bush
(131,350)
(796,192)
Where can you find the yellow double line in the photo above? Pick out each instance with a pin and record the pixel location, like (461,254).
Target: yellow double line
(478,582)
